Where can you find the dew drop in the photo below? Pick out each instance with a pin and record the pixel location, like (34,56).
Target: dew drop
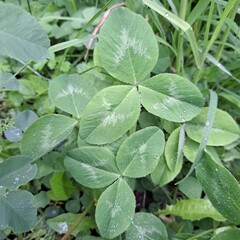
(17,179)
(207,123)
(166,14)
(183,119)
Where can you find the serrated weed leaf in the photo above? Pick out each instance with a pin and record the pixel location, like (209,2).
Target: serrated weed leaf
(139,153)
(127,46)
(193,209)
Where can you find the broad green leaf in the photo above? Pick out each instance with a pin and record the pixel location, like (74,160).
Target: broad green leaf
(16,171)
(229,234)
(127,46)
(191,187)
(193,209)
(24,119)
(115,209)
(17,211)
(45,134)
(71,93)
(190,151)
(221,188)
(8,82)
(171,97)
(21,36)
(172,154)
(93,167)
(62,223)
(41,200)
(146,226)
(110,114)
(139,153)
(61,187)
(224,130)
(162,174)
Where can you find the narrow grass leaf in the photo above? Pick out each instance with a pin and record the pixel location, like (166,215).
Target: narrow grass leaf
(206,132)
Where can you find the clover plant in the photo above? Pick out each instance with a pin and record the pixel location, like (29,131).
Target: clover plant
(122,124)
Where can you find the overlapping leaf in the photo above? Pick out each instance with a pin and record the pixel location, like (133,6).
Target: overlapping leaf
(16,171)
(45,134)
(146,226)
(93,167)
(171,97)
(21,36)
(110,114)
(115,209)
(17,211)
(139,153)
(127,46)
(71,93)
(224,130)
(162,175)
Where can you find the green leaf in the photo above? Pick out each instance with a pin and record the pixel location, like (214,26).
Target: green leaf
(110,114)
(45,134)
(191,187)
(139,153)
(162,174)
(71,93)
(127,46)
(221,188)
(193,209)
(172,154)
(229,234)
(115,209)
(171,97)
(21,36)
(62,223)
(190,151)
(17,211)
(16,171)
(61,187)
(146,226)
(93,167)
(224,130)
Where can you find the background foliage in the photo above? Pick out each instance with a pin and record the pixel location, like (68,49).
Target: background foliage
(133,137)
